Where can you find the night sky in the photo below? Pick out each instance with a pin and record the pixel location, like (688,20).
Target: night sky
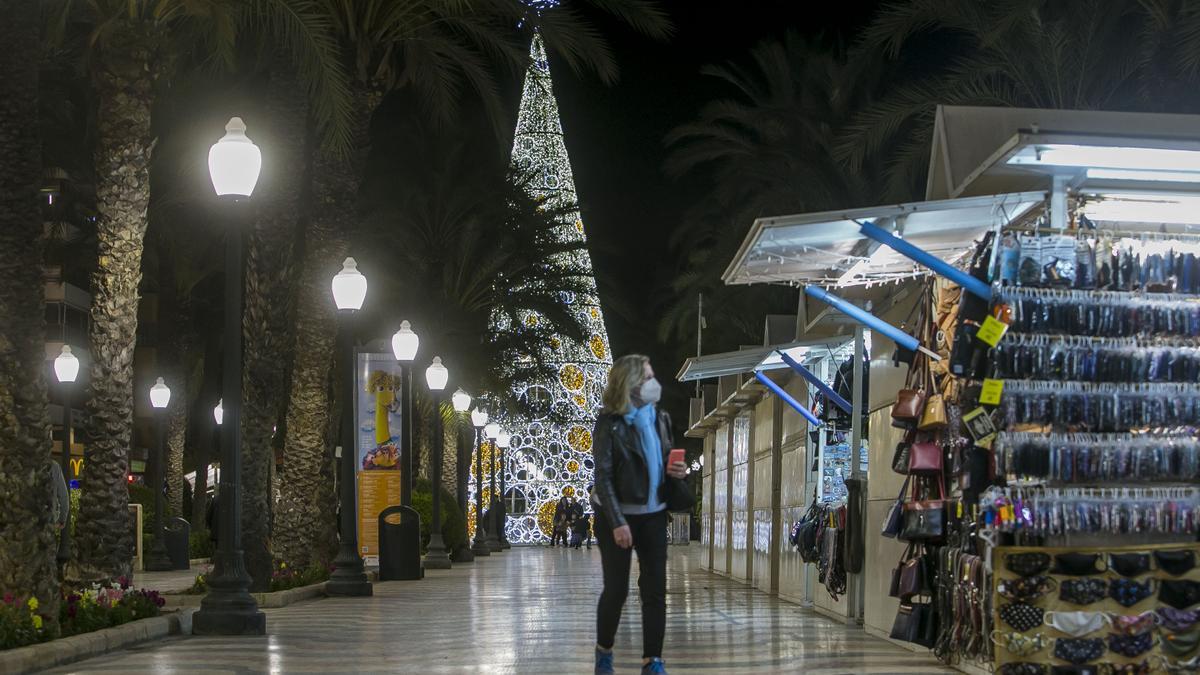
(614,135)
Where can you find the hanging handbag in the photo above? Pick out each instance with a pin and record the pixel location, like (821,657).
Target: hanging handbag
(894,520)
(915,623)
(933,414)
(901,454)
(912,577)
(924,458)
(925,520)
(910,401)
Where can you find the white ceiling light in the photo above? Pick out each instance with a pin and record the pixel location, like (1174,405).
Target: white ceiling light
(1144,176)
(1108,157)
(1145,208)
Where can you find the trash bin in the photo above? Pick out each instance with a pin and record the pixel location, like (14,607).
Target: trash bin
(400,544)
(177,535)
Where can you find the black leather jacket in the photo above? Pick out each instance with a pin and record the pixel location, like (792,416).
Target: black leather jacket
(621,474)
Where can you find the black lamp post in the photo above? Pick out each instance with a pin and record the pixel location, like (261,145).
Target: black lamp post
(502,528)
(492,431)
(160,396)
(436,558)
(404,347)
(66,369)
(349,577)
(462,403)
(479,547)
(229,609)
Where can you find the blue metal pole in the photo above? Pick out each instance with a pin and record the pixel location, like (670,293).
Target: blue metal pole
(864,317)
(787,398)
(973,285)
(817,382)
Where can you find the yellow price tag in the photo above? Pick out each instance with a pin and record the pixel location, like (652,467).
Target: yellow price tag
(991,391)
(991,331)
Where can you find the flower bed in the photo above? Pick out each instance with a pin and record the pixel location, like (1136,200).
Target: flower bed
(100,606)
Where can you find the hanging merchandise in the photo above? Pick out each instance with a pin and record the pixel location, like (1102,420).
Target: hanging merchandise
(820,537)
(1064,415)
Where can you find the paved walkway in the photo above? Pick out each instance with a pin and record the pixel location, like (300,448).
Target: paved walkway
(172,581)
(528,610)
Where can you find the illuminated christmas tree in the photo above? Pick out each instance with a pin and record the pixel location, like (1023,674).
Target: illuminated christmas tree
(551,447)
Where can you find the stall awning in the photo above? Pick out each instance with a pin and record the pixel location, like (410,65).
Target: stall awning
(827,248)
(758,358)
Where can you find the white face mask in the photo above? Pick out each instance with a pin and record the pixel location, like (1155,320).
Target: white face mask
(650,392)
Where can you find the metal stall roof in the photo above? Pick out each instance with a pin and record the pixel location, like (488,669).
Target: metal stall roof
(974,147)
(758,358)
(827,248)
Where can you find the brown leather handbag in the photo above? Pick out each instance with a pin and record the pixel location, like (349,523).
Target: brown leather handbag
(925,458)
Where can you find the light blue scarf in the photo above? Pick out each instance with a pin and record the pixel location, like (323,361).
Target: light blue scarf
(645,421)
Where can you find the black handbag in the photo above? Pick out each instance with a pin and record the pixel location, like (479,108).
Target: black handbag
(925,520)
(894,520)
(916,623)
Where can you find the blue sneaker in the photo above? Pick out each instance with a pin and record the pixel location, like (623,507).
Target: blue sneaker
(655,667)
(604,662)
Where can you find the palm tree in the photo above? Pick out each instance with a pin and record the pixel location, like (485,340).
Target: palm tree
(1072,54)
(131,48)
(435,48)
(27,549)
(766,150)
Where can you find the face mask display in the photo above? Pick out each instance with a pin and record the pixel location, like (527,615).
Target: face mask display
(1020,645)
(1027,564)
(1180,644)
(1130,645)
(1175,563)
(651,391)
(1026,589)
(1179,594)
(1191,665)
(1128,592)
(1176,620)
(1076,624)
(1078,650)
(1077,564)
(1083,591)
(1129,564)
(1021,617)
(1134,624)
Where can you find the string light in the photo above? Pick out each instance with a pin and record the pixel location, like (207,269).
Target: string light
(549,458)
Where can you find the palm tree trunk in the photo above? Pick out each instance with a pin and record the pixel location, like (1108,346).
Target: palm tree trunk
(123,78)
(307,498)
(27,538)
(267,319)
(177,428)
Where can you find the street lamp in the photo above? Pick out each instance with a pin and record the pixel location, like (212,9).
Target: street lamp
(503,441)
(404,347)
(229,609)
(66,369)
(480,547)
(349,577)
(492,431)
(436,376)
(160,396)
(461,401)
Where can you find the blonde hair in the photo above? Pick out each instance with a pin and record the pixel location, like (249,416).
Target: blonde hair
(627,372)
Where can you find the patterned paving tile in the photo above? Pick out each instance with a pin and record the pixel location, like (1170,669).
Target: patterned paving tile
(528,610)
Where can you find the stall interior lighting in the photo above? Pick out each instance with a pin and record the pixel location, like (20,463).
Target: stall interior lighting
(1145,208)
(1144,176)
(1109,157)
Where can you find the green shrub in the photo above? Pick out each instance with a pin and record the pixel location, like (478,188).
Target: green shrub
(284,578)
(20,624)
(200,545)
(140,494)
(454,525)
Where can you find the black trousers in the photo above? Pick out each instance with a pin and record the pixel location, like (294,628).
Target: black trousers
(650,542)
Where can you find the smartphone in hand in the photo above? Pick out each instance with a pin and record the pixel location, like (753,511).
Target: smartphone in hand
(677,455)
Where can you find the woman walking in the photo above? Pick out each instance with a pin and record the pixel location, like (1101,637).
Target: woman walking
(631,437)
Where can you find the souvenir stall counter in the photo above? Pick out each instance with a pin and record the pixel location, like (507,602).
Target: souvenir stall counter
(1050,506)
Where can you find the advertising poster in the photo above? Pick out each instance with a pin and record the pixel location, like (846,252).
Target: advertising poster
(377,414)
